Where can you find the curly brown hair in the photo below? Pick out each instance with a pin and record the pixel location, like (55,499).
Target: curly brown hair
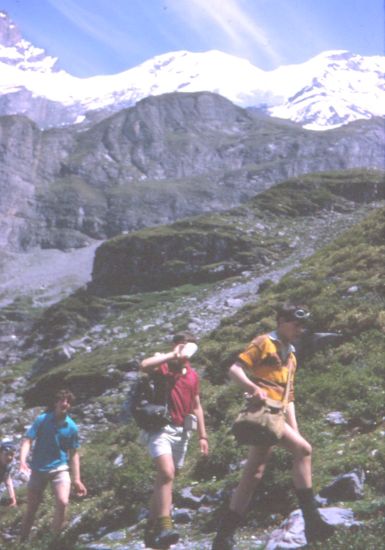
(58,396)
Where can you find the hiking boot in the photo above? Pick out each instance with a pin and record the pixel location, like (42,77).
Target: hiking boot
(317,529)
(164,535)
(224,539)
(148,538)
(165,538)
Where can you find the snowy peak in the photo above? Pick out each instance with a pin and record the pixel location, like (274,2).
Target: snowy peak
(18,52)
(215,71)
(341,87)
(9,33)
(329,90)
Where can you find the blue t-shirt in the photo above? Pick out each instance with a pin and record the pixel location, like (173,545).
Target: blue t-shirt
(52,441)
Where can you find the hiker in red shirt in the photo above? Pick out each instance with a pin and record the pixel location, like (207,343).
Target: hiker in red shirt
(177,385)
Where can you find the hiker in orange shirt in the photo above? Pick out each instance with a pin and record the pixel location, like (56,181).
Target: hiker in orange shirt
(262,370)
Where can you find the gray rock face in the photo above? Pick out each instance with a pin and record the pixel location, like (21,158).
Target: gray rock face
(166,260)
(168,157)
(214,247)
(291,533)
(36,109)
(336,418)
(349,486)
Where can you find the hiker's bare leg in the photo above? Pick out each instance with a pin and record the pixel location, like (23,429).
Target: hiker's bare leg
(161,500)
(61,492)
(301,450)
(34,498)
(251,477)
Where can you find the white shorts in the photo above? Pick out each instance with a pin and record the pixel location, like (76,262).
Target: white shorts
(39,480)
(170,440)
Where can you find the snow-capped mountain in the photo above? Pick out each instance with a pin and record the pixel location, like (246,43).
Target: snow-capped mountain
(327,91)
(336,87)
(19,53)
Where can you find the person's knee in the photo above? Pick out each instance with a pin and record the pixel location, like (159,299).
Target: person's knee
(307,449)
(166,474)
(62,502)
(252,475)
(34,499)
(258,474)
(304,450)
(62,498)
(254,472)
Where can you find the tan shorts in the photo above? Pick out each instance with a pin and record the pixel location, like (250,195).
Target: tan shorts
(171,440)
(39,480)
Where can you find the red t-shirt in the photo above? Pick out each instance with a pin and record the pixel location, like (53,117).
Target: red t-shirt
(182,391)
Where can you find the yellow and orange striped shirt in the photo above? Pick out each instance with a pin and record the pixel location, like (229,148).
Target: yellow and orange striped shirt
(266,362)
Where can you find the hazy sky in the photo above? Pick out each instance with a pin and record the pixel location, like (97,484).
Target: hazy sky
(108,36)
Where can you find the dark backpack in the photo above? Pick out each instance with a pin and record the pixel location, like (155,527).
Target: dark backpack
(145,408)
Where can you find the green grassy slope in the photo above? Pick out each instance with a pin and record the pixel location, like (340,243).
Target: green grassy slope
(215,246)
(343,285)
(276,224)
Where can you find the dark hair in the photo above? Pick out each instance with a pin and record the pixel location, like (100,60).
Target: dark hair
(58,396)
(183,338)
(292,312)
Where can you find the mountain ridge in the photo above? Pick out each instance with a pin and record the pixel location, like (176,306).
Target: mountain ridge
(329,90)
(165,158)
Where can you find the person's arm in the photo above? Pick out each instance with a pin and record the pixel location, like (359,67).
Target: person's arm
(202,434)
(80,488)
(24,452)
(238,375)
(291,417)
(149,364)
(11,491)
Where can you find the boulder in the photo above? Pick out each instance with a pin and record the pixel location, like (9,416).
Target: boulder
(349,486)
(291,533)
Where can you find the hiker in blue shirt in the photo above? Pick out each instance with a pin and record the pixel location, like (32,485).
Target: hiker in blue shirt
(54,436)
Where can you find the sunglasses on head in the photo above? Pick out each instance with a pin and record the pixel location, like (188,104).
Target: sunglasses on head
(301,314)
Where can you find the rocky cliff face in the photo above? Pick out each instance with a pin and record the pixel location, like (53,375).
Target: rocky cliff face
(215,247)
(166,158)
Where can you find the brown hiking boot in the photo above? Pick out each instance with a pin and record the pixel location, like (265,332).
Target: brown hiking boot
(316,528)
(165,539)
(164,535)
(224,539)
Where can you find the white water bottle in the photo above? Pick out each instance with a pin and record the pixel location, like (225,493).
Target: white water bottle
(189,349)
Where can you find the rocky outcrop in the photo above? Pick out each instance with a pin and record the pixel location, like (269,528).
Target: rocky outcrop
(37,109)
(214,247)
(166,158)
(156,259)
